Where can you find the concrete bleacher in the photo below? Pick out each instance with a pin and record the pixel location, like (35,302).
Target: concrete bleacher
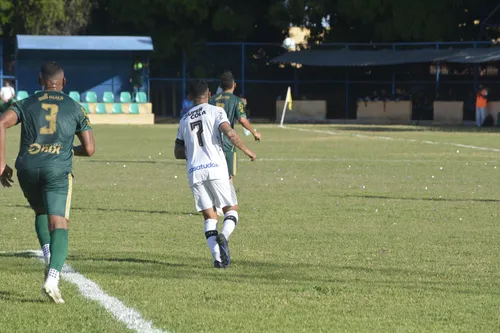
(105,110)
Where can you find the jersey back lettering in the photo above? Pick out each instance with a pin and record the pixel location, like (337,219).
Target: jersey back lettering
(49,121)
(199,130)
(234,108)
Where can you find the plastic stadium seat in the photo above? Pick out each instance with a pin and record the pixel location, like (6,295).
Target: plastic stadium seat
(91,97)
(100,108)
(75,95)
(22,94)
(133,108)
(141,97)
(117,108)
(86,107)
(125,97)
(108,97)
(37,91)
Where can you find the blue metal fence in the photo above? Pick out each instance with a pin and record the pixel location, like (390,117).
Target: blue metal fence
(250,73)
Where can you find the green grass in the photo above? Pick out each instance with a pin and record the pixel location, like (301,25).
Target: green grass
(337,233)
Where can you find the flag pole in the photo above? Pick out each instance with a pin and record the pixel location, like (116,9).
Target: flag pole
(287,100)
(283,113)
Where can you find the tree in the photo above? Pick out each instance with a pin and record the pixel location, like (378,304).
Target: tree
(44,17)
(384,20)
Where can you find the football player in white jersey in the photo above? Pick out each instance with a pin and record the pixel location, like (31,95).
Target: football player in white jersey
(199,141)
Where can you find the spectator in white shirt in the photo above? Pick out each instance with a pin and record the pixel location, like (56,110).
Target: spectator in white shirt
(7,94)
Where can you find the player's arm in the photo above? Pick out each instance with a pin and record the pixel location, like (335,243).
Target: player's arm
(84,133)
(246,124)
(180,149)
(241,115)
(87,147)
(8,119)
(236,140)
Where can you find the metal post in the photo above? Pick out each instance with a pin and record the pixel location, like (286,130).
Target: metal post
(1,65)
(438,71)
(346,93)
(295,82)
(347,89)
(476,74)
(149,81)
(393,70)
(16,71)
(183,75)
(243,69)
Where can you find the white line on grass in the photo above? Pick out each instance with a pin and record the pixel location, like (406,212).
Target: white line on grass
(396,139)
(90,290)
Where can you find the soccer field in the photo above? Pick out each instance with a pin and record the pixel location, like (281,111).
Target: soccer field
(342,229)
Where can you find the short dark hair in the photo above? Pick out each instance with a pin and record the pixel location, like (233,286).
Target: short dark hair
(198,88)
(50,70)
(226,80)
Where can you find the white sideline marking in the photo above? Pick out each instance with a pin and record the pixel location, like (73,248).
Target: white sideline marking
(396,139)
(90,290)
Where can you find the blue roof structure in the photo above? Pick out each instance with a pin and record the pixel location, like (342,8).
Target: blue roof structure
(348,58)
(84,43)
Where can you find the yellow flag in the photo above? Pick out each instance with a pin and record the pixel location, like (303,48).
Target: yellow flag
(289,98)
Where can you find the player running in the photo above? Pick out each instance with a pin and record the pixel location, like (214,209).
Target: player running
(49,121)
(199,141)
(235,110)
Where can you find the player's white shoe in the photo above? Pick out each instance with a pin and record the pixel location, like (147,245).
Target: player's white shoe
(51,290)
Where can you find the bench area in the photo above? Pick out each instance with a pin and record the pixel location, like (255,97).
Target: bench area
(106,110)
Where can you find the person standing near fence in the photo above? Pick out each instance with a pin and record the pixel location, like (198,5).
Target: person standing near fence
(7,94)
(136,76)
(481,103)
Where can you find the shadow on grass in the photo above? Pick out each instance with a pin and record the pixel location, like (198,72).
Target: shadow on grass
(8,296)
(24,254)
(386,197)
(126,260)
(117,210)
(296,275)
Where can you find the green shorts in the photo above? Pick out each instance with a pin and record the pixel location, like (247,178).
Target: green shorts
(48,190)
(232,161)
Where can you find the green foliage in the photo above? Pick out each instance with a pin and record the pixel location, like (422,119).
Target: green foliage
(44,17)
(384,20)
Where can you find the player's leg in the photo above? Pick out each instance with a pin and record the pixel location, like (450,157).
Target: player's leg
(232,163)
(205,204)
(32,189)
(225,195)
(57,189)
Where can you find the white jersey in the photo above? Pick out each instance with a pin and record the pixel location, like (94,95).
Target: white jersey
(199,130)
(7,93)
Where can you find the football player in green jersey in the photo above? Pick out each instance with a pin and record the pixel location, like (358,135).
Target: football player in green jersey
(49,121)
(235,110)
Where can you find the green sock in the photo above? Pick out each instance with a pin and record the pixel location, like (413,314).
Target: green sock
(42,229)
(58,248)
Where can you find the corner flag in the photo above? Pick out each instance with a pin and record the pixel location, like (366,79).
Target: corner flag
(289,98)
(288,101)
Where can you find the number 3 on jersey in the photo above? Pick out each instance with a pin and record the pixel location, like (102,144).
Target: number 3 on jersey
(52,109)
(198,124)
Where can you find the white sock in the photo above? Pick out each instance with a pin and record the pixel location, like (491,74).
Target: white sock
(46,254)
(211,234)
(53,276)
(230,221)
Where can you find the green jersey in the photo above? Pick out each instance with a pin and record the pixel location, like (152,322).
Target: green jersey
(49,120)
(235,109)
